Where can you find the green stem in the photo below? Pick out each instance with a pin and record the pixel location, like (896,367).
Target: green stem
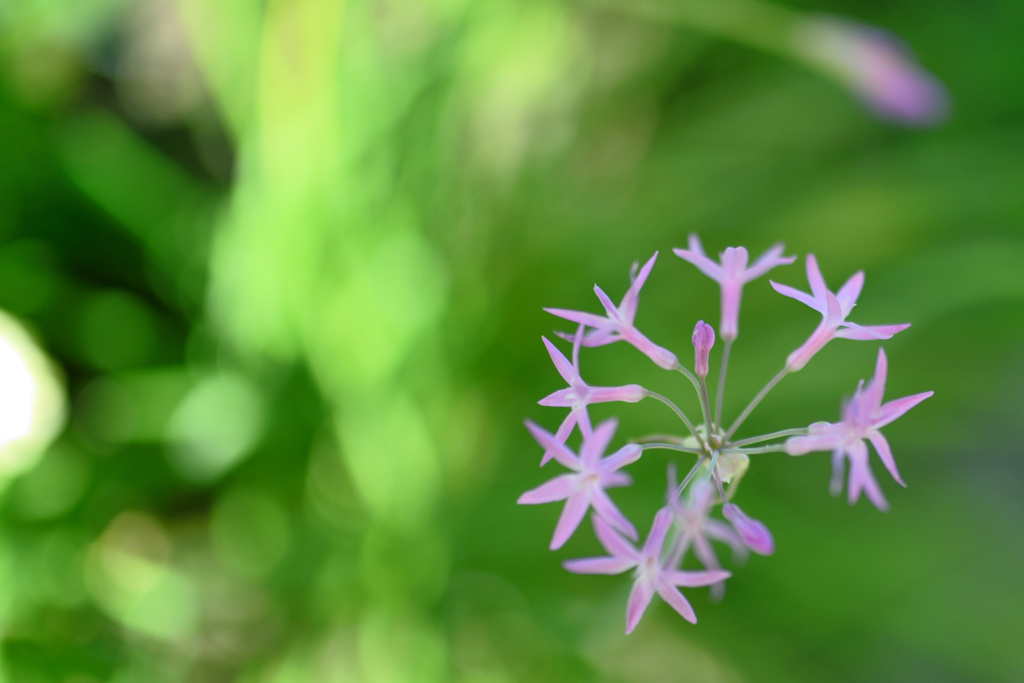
(706,405)
(802,431)
(680,414)
(779,448)
(753,404)
(689,476)
(721,383)
(671,447)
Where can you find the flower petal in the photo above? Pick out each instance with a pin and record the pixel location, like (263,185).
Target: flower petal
(606,510)
(673,597)
(595,446)
(754,533)
(598,565)
(613,542)
(609,307)
(696,579)
(705,552)
(814,278)
(661,356)
(628,393)
(572,514)
(703,263)
(802,297)
(562,364)
(768,260)
(554,444)
(726,534)
(861,478)
(632,298)
(885,454)
(639,598)
(875,389)
(894,409)
(656,537)
(835,484)
(867,332)
(588,319)
(848,293)
(612,480)
(626,455)
(563,398)
(800,445)
(559,488)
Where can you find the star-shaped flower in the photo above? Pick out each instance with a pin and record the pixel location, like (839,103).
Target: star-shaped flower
(698,529)
(732,274)
(584,488)
(833,308)
(863,416)
(617,325)
(651,575)
(579,395)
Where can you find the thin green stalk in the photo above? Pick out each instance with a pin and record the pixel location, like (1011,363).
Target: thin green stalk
(689,476)
(753,404)
(721,382)
(680,414)
(706,405)
(802,431)
(778,448)
(692,377)
(671,447)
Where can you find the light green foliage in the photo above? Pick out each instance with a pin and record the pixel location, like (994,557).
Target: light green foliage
(294,294)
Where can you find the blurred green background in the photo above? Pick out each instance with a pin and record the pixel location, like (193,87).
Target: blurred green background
(288,259)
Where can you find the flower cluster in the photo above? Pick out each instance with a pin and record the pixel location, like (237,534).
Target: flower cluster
(685,522)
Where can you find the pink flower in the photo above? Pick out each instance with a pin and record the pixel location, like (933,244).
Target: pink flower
(579,395)
(703,340)
(863,416)
(875,65)
(652,576)
(697,528)
(732,274)
(592,473)
(833,308)
(618,323)
(755,534)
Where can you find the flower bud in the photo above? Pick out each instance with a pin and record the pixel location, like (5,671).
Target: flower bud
(754,534)
(703,340)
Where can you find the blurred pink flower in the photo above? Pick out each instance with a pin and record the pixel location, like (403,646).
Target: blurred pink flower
(698,529)
(652,576)
(592,473)
(863,416)
(732,274)
(876,65)
(833,308)
(755,534)
(579,395)
(618,323)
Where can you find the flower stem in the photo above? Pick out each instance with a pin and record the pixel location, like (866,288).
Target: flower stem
(671,447)
(721,382)
(706,405)
(801,431)
(689,476)
(721,489)
(775,448)
(692,377)
(753,404)
(653,438)
(680,414)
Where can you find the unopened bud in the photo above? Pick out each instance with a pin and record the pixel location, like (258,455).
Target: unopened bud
(754,534)
(703,340)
